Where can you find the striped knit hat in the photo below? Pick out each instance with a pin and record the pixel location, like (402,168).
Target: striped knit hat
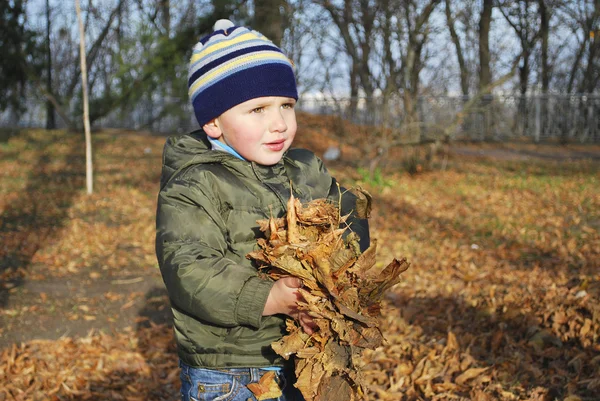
(235,64)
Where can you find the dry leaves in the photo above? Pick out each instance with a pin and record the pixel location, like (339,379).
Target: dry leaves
(266,387)
(342,293)
(505,270)
(130,366)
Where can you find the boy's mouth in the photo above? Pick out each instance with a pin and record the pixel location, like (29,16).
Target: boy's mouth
(276,146)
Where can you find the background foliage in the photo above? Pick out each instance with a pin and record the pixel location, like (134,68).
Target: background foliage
(138,50)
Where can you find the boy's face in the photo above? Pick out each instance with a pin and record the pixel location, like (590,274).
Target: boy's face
(260,129)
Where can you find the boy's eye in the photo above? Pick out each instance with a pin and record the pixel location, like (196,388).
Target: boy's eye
(258,110)
(288,106)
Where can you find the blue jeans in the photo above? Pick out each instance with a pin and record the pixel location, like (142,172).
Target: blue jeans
(230,384)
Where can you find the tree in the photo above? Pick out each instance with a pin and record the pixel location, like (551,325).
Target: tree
(521,16)
(148,61)
(50,122)
(268,19)
(16,43)
(405,33)
(544,12)
(591,27)
(578,68)
(86,116)
(355,20)
(462,65)
(417,32)
(485,21)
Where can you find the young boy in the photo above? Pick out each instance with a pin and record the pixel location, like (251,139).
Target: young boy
(216,183)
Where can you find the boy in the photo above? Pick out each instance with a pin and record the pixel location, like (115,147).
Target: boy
(216,183)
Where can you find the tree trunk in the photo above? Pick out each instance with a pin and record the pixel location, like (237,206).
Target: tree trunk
(86,114)
(544,34)
(268,19)
(464,72)
(165,16)
(542,119)
(485,75)
(522,121)
(347,18)
(353,92)
(50,121)
(592,72)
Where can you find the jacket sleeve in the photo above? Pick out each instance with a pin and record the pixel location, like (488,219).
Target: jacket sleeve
(348,206)
(190,246)
(359,226)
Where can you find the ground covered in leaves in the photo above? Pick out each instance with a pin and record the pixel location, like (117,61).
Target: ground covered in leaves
(501,301)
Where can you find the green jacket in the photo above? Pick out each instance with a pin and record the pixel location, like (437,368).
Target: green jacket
(208,206)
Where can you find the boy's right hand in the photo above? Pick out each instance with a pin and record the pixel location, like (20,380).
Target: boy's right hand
(283,298)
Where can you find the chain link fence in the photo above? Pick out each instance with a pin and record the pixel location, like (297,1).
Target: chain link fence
(538,118)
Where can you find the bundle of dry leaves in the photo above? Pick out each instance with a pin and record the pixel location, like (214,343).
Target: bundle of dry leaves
(342,292)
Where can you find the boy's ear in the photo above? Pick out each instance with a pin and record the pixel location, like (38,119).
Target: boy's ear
(212,129)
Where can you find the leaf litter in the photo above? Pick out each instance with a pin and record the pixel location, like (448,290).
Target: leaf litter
(342,292)
(504,276)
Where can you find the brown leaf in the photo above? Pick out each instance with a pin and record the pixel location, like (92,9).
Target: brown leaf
(293,237)
(290,344)
(389,277)
(469,374)
(335,388)
(348,312)
(308,377)
(367,259)
(496,340)
(266,388)
(451,342)
(364,202)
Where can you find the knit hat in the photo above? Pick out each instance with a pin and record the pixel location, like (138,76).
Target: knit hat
(235,64)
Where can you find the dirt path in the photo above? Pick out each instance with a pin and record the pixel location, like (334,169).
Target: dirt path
(53,307)
(550,153)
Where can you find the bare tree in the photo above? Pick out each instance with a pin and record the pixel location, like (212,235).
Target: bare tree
(582,19)
(86,116)
(268,18)
(164,8)
(307,41)
(95,50)
(521,16)
(462,65)
(523,19)
(413,59)
(485,21)
(544,12)
(50,122)
(355,20)
(591,25)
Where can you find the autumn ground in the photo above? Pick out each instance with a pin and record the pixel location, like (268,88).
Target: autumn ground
(501,301)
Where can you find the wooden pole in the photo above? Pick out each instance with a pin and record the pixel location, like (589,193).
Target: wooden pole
(86,112)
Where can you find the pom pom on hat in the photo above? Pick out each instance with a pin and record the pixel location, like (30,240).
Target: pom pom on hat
(235,64)
(222,25)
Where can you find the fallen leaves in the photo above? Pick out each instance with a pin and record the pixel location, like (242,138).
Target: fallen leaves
(342,293)
(98,366)
(502,251)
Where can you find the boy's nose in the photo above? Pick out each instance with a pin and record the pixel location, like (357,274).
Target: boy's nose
(278,123)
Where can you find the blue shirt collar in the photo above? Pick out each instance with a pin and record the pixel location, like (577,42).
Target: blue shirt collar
(223,147)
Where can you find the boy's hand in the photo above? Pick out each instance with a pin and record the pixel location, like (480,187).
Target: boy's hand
(283,298)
